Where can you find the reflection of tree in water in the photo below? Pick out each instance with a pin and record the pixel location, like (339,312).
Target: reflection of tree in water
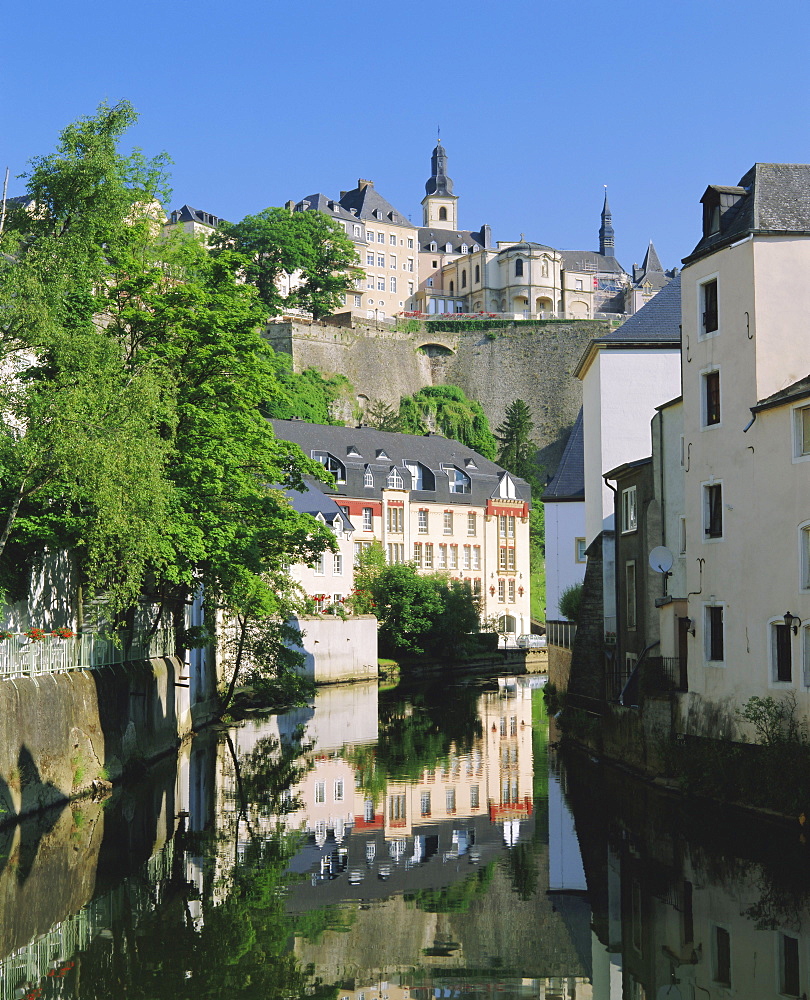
(455,898)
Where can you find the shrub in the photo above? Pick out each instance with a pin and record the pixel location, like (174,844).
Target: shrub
(570,601)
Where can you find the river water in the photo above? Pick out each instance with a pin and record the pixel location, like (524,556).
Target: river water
(426,842)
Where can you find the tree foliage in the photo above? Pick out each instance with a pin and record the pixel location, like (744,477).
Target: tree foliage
(308,245)
(516,452)
(446,409)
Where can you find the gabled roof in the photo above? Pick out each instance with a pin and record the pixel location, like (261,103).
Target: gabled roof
(314,501)
(656,324)
(189,214)
(770,198)
(359,449)
(329,206)
(590,261)
(651,261)
(364,202)
(568,483)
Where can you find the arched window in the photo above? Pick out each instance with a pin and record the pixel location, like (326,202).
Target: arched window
(477,273)
(442,215)
(452,288)
(434,247)
(463,279)
(519,267)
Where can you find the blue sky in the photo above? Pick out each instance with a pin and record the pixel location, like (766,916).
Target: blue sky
(540,103)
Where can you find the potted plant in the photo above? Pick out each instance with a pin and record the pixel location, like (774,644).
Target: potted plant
(4,634)
(63,633)
(35,634)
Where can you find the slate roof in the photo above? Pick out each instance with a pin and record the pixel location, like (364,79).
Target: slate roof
(590,261)
(526,246)
(189,214)
(659,321)
(360,447)
(364,201)
(329,206)
(797,390)
(568,483)
(772,198)
(453,236)
(651,261)
(314,501)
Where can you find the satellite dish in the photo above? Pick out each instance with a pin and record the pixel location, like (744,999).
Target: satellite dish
(661,559)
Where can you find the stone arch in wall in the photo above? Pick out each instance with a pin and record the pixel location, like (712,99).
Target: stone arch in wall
(436,350)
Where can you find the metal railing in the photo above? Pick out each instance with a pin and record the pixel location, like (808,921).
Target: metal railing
(24,657)
(663,673)
(561,634)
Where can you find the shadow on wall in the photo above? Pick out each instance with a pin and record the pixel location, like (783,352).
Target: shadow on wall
(33,794)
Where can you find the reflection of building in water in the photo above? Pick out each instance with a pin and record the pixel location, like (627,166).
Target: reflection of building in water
(713,910)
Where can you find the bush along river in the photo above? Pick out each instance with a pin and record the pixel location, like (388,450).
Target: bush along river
(423,842)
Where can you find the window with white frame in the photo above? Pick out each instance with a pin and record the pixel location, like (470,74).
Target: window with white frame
(710,397)
(370,284)
(471,523)
(396,520)
(394,481)
(466,557)
(714,632)
(380,282)
(502,591)
(579,550)
(410,244)
(630,593)
(422,521)
(392,262)
(428,555)
(320,565)
(392,239)
(781,651)
(338,789)
(448,522)
(393,284)
(453,563)
(442,564)
(417,554)
(459,481)
(476,557)
(804,557)
(380,260)
(709,315)
(381,237)
(337,564)
(368,481)
(369,236)
(713,510)
(358,300)
(801,431)
(331,464)
(511,590)
(629,510)
(320,791)
(368,518)
(510,526)
(396,553)
(370,259)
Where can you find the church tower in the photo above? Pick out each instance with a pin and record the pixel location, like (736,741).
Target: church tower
(606,240)
(439,206)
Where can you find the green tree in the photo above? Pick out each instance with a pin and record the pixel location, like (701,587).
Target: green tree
(571,602)
(517,453)
(446,409)
(277,243)
(309,394)
(381,416)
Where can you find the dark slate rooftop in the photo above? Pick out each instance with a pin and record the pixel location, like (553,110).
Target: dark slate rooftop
(314,501)
(329,206)
(526,246)
(359,448)
(770,198)
(590,261)
(568,483)
(455,237)
(365,203)
(797,390)
(658,321)
(189,214)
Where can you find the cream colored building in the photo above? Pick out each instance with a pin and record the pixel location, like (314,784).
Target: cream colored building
(746,406)
(433,502)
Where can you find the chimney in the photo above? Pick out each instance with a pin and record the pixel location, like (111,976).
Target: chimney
(363,184)
(290,206)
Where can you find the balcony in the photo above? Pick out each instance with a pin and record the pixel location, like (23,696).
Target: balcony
(561,634)
(24,657)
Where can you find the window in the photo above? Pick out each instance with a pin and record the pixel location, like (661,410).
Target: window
(442,564)
(337,564)
(380,260)
(370,284)
(393,285)
(713,510)
(396,807)
(711,398)
(448,522)
(789,965)
(466,557)
(320,791)
(396,553)
(806,655)
(463,279)
(477,274)
(510,526)
(453,564)
(425,803)
(370,259)
(381,237)
(781,653)
(394,481)
(802,430)
(630,591)
(474,797)
(358,551)
(368,482)
(708,303)
(502,525)
(429,555)
(410,264)
(393,262)
(459,481)
(450,799)
(433,248)
(338,789)
(713,622)
(369,236)
(368,519)
(392,240)
(511,591)
(579,550)
(320,565)
(368,810)
(510,558)
(452,288)
(429,283)
(380,282)
(356,230)
(448,248)
(476,557)
(417,554)
(629,513)
(471,523)
(410,244)
(502,558)
(442,214)
(358,300)
(721,956)
(502,591)
(331,464)
(422,520)
(519,267)
(396,518)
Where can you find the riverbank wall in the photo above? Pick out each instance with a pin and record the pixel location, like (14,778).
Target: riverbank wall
(64,734)
(338,650)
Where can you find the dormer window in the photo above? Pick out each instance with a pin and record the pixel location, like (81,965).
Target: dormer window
(381,453)
(460,482)
(394,480)
(421,476)
(448,248)
(331,464)
(368,479)
(352,451)
(465,248)
(434,247)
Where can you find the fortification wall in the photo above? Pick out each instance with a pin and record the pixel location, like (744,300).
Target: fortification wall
(534,362)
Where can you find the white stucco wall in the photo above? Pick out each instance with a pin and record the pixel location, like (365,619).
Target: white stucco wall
(565,522)
(338,650)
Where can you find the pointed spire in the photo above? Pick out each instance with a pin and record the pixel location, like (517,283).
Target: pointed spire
(651,260)
(606,235)
(439,182)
